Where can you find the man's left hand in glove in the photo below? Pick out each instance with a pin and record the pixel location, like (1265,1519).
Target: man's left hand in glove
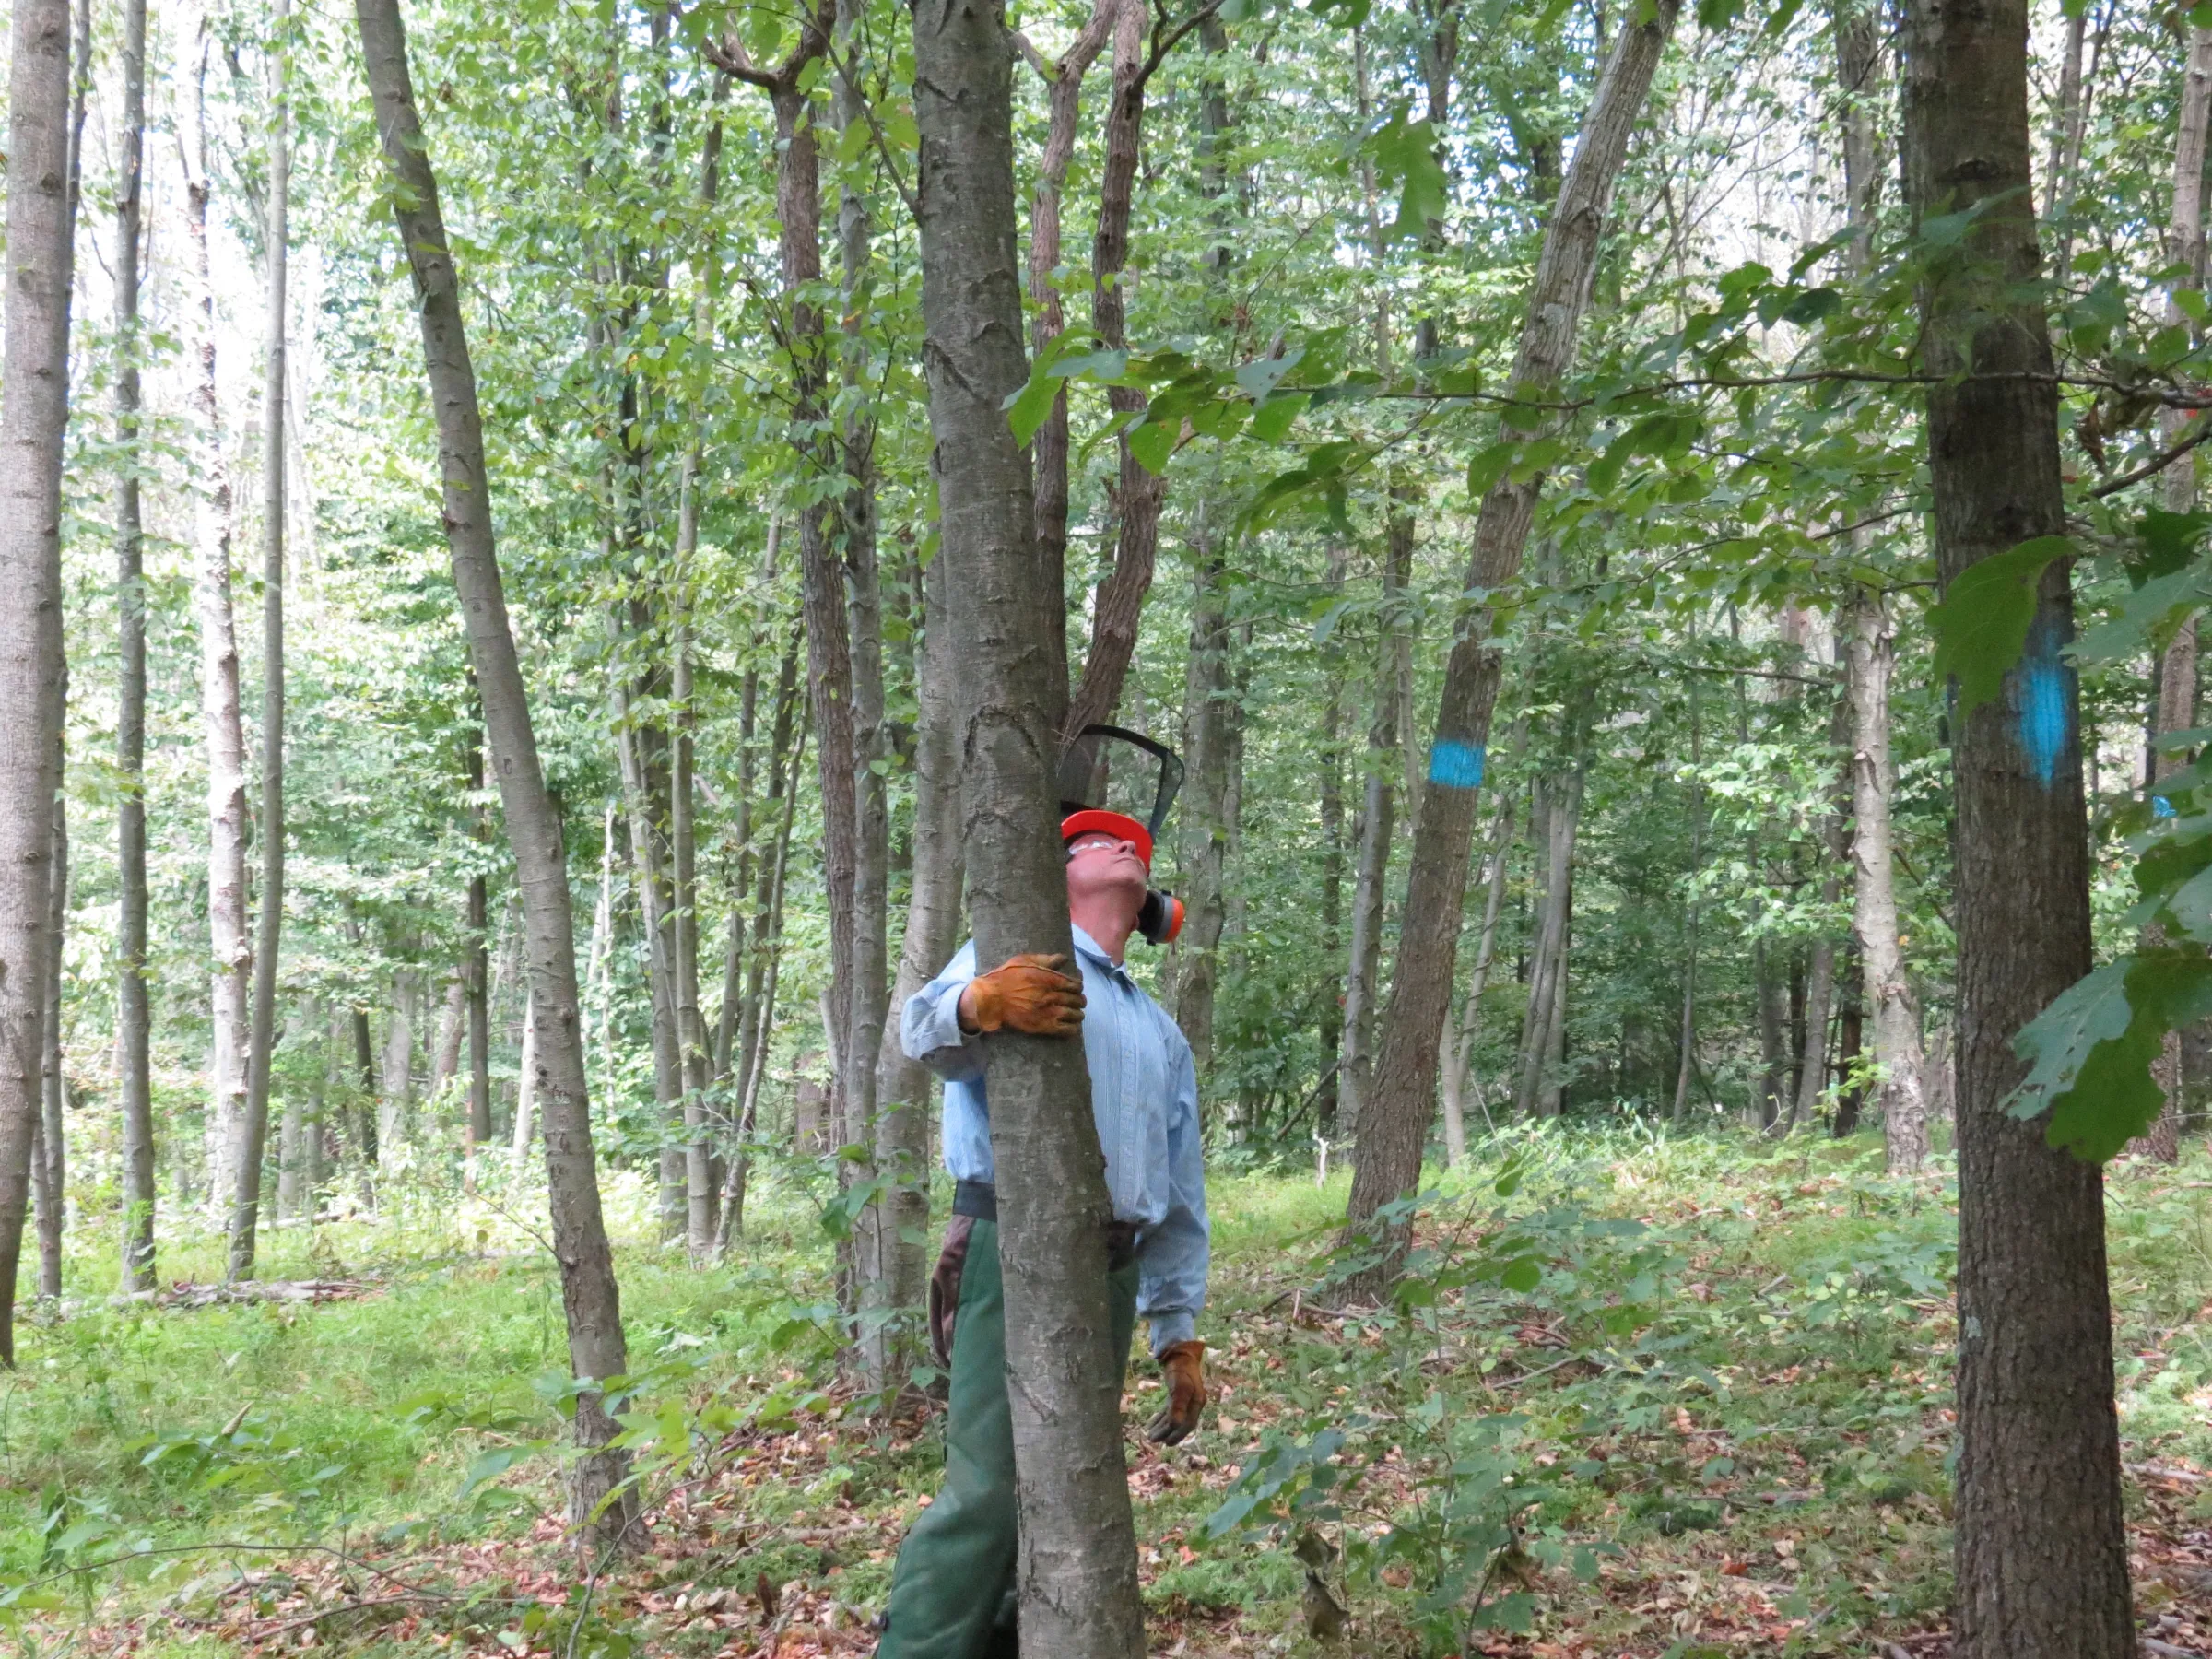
(1184,1368)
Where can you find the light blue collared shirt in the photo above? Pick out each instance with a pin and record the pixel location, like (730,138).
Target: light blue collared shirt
(1144,1094)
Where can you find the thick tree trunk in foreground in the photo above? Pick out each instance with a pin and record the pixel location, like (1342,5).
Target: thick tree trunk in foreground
(134,1016)
(35,409)
(245,1195)
(1077,1564)
(2042,1552)
(230,954)
(590,1297)
(1396,1119)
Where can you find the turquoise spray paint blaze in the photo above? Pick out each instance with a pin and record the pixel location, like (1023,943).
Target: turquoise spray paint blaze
(1456,765)
(2042,689)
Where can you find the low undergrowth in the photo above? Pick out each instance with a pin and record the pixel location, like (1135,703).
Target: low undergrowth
(1637,1395)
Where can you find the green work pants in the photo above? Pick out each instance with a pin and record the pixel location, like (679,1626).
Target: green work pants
(952,1593)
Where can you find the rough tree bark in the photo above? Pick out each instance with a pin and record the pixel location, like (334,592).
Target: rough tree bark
(2042,1553)
(229,949)
(1077,1564)
(134,1014)
(590,1298)
(1396,1119)
(253,1134)
(34,410)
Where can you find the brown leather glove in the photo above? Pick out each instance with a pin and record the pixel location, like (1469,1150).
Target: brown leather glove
(1032,994)
(1184,1366)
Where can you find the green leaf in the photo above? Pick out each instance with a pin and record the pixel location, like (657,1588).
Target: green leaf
(1152,443)
(1273,419)
(1405,158)
(1982,626)
(2146,616)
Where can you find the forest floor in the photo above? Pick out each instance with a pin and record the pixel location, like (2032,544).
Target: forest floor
(1704,1381)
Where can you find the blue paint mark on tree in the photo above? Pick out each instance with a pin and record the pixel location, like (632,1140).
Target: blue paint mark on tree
(2046,705)
(1455,765)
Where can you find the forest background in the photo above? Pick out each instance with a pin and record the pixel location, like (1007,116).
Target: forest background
(1277,263)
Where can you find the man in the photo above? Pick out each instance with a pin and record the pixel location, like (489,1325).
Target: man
(952,1594)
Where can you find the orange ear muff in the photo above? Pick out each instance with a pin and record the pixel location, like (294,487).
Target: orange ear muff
(1162,918)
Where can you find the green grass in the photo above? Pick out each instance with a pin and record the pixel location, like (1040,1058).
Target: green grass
(1765,1364)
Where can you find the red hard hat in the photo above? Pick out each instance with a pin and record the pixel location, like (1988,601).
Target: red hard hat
(1094,821)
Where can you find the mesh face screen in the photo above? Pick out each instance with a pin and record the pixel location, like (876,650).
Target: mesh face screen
(1118,770)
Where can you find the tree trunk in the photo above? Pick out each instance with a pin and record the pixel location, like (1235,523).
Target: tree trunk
(1049,447)
(642,789)
(1370,879)
(231,952)
(1773,1063)
(1076,1569)
(2042,1568)
(878,1246)
(1558,813)
(1329,1090)
(590,1297)
(1820,969)
(1898,1096)
(1395,1121)
(525,1092)
(453,1025)
(1205,725)
(396,1090)
(1118,607)
(2177,663)
(1458,1061)
(932,930)
(134,1017)
(246,1197)
(49,1162)
(34,392)
(476,977)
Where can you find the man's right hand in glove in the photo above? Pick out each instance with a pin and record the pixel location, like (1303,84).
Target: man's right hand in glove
(1032,994)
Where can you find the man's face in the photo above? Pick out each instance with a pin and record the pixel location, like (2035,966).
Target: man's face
(1103,868)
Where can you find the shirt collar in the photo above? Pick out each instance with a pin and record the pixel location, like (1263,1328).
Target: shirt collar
(1092,948)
